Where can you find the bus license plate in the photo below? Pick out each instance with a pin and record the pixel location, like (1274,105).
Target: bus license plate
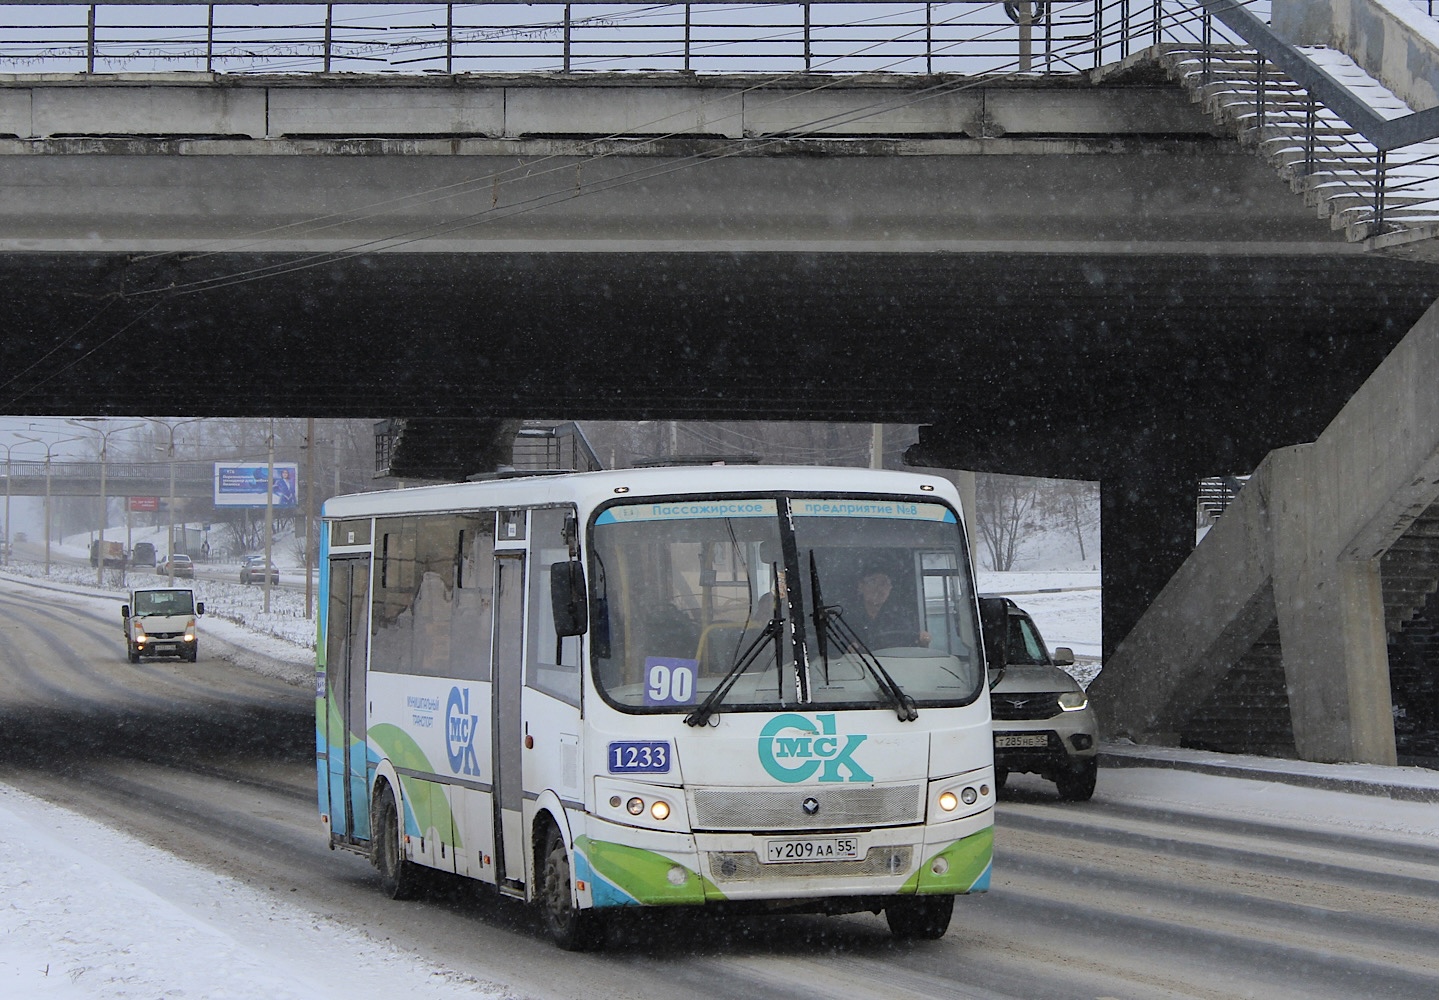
(1027,740)
(813,849)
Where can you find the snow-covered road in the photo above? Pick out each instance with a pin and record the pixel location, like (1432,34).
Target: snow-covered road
(1169,884)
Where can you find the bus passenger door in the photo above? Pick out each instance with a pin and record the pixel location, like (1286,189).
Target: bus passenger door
(508,729)
(346,639)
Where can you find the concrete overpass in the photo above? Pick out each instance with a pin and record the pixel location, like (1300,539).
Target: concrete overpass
(82,479)
(1059,277)
(1081,275)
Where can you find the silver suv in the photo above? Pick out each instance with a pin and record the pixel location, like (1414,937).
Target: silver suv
(1043,723)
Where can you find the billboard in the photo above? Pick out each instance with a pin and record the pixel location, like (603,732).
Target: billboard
(245,484)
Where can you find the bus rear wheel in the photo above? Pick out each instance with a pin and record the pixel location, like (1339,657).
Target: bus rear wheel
(399,877)
(570,927)
(919,918)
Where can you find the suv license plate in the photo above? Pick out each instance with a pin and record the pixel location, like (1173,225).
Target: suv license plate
(812,849)
(1026,740)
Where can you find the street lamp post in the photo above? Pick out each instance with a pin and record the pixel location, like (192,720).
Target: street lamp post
(170,453)
(49,447)
(5,552)
(269,507)
(84,422)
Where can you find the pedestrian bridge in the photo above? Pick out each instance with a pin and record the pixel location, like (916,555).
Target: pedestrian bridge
(1139,249)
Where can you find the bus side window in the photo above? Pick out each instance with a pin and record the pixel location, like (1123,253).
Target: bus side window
(434,595)
(554,660)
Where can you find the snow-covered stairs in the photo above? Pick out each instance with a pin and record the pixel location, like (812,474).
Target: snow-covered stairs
(1334,167)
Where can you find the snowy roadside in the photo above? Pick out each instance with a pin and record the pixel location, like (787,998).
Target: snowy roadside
(91,913)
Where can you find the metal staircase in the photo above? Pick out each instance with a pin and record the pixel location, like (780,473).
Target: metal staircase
(1385,198)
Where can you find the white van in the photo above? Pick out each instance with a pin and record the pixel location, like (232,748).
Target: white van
(162,623)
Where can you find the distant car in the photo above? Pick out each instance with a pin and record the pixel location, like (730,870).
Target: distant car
(179,564)
(143,554)
(252,570)
(1043,722)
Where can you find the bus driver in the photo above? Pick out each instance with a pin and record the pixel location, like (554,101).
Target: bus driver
(879,622)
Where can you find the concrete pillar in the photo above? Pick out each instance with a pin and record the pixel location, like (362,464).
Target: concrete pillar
(1331,620)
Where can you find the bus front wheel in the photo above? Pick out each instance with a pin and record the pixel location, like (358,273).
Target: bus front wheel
(919,918)
(399,877)
(571,928)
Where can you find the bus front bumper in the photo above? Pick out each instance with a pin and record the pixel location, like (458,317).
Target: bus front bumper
(617,865)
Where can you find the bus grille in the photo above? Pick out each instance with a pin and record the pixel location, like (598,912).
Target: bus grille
(744,866)
(839,808)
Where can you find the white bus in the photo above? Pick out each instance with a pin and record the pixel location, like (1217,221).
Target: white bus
(655,687)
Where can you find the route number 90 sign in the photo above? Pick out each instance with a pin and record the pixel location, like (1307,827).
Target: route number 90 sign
(669,680)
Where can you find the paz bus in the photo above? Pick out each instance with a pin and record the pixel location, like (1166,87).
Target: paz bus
(660,687)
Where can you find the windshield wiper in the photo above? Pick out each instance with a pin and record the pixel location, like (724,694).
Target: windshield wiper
(821,616)
(773,629)
(833,617)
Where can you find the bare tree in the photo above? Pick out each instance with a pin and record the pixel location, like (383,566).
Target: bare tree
(1003,508)
(1075,504)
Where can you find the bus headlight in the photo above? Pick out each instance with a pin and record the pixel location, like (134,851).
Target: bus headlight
(969,796)
(948,802)
(633,803)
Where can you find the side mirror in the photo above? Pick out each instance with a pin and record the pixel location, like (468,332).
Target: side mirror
(994,628)
(124,611)
(567,598)
(1063,656)
(200,608)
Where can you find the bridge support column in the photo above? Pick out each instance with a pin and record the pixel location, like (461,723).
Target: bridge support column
(1331,621)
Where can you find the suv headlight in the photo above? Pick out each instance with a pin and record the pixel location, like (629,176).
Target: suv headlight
(1074,701)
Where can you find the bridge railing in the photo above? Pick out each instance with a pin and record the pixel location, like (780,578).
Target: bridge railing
(969,37)
(709,36)
(513,36)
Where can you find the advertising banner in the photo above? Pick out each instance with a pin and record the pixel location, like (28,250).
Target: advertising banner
(145,503)
(245,484)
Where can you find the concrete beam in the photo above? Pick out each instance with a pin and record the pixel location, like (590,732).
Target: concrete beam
(483,195)
(595,105)
(374,111)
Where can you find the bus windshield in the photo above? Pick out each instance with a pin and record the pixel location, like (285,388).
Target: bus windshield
(847,602)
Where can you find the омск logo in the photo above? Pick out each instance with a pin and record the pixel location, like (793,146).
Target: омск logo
(808,745)
(460,728)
